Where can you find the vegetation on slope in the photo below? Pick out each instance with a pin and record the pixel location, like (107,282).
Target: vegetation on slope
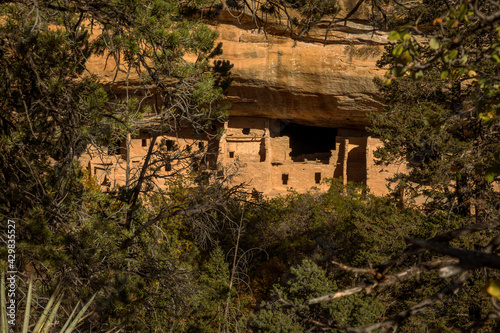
(206,258)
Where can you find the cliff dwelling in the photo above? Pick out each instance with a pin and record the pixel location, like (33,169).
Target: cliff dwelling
(270,156)
(299,110)
(274,156)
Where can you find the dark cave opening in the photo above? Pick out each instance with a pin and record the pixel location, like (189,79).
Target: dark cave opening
(308,140)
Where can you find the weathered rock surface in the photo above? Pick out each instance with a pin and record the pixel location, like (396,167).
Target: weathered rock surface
(310,83)
(306,81)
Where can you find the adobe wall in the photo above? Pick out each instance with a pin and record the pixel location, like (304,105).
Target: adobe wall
(244,147)
(377,174)
(266,155)
(262,152)
(116,164)
(311,81)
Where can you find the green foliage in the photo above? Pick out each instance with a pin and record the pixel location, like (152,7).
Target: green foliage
(349,226)
(439,125)
(214,277)
(158,260)
(435,120)
(306,281)
(344,223)
(449,53)
(54,108)
(272,320)
(47,319)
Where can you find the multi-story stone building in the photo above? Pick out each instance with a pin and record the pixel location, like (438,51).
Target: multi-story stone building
(274,156)
(270,156)
(299,113)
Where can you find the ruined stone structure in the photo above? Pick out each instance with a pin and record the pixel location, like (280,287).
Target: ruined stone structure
(270,156)
(274,156)
(123,161)
(299,111)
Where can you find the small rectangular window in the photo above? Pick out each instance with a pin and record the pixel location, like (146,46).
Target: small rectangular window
(317,177)
(231,154)
(144,142)
(246,131)
(168,166)
(284,178)
(170,145)
(201,145)
(106,181)
(114,148)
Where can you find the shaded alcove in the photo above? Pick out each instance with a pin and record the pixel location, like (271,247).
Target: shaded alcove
(356,165)
(262,150)
(309,142)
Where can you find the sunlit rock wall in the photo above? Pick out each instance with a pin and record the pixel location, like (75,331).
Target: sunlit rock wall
(306,81)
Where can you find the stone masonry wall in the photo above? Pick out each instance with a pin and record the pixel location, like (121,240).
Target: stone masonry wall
(255,152)
(263,158)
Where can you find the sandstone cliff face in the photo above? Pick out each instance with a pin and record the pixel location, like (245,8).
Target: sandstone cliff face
(304,81)
(281,83)
(309,82)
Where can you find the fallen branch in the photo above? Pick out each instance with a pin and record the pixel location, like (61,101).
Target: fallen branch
(442,237)
(468,258)
(414,309)
(383,281)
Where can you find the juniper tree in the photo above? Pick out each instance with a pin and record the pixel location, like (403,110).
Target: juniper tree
(54,107)
(440,117)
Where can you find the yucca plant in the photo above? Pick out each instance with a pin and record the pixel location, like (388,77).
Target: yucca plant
(48,315)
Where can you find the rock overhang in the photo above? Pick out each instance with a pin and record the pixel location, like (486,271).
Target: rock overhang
(311,83)
(305,81)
